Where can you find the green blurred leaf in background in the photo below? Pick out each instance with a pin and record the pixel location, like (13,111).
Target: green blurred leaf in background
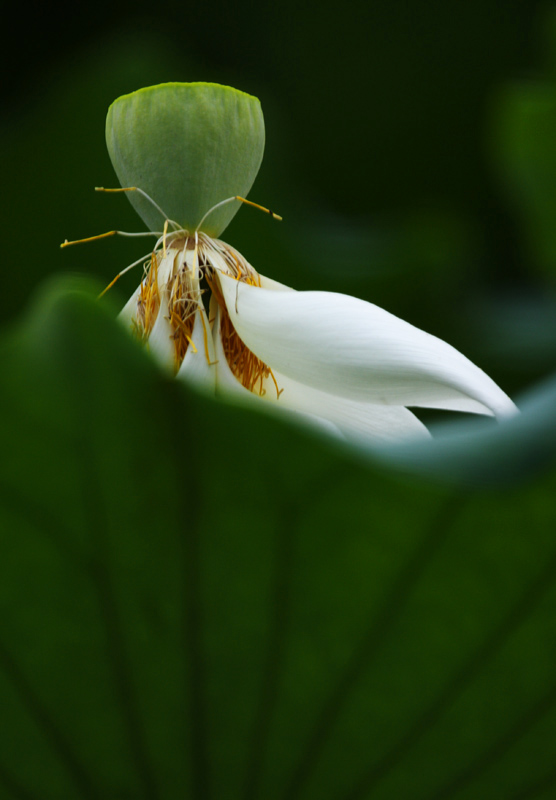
(200,602)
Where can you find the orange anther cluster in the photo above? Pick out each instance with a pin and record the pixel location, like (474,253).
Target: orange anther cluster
(148,301)
(182,305)
(248,369)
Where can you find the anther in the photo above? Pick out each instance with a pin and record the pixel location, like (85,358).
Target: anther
(241,200)
(261,208)
(106,235)
(145,195)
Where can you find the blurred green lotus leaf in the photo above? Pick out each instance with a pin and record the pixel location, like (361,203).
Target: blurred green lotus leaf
(201,602)
(188,146)
(470,452)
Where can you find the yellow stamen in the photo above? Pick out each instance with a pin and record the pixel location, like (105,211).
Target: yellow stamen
(278,391)
(112,191)
(147,197)
(148,302)
(205,336)
(123,272)
(241,200)
(90,238)
(250,371)
(182,306)
(261,208)
(110,285)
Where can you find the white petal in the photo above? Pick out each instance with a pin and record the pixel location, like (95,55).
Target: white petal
(363,422)
(354,349)
(227,384)
(161,339)
(200,367)
(128,314)
(160,342)
(269,283)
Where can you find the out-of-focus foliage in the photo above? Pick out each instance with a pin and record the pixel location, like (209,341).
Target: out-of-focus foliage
(523,147)
(198,601)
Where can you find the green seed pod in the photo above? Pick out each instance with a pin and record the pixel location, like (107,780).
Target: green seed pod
(188,146)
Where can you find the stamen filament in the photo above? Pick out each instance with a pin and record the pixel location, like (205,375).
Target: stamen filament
(148,302)
(205,337)
(106,235)
(123,272)
(261,208)
(249,370)
(145,195)
(196,256)
(241,200)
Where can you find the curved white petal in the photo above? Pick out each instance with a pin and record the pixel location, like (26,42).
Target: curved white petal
(199,363)
(128,314)
(161,339)
(227,384)
(363,422)
(354,349)
(356,420)
(270,283)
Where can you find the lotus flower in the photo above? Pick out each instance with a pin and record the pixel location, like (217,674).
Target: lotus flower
(342,363)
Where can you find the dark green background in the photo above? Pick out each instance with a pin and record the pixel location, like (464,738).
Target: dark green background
(197,601)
